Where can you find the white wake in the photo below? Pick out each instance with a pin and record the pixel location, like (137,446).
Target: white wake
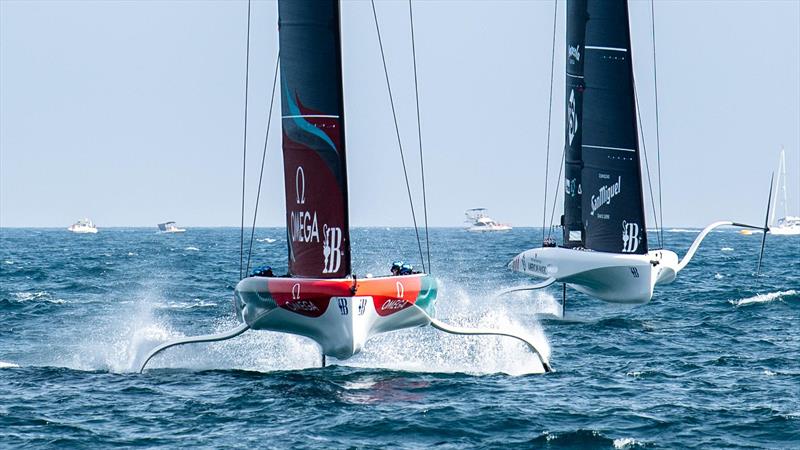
(764,298)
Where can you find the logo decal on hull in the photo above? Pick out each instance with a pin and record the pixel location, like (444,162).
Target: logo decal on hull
(296,291)
(300,185)
(630,237)
(362,306)
(343,306)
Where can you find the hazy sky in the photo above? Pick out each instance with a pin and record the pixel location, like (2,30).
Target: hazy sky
(131,112)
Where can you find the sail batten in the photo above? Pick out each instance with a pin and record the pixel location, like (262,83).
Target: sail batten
(312,112)
(603,202)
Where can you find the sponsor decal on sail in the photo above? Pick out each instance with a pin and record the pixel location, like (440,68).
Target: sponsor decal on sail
(605,194)
(305,228)
(575,52)
(570,187)
(630,237)
(573,116)
(332,249)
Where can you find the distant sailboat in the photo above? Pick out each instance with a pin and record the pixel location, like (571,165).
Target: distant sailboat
(321,297)
(170,227)
(83,226)
(786,225)
(605,251)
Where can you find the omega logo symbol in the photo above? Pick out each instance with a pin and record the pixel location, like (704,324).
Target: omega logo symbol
(300,185)
(296,291)
(400,290)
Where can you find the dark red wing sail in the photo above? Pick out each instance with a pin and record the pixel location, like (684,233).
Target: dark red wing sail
(315,171)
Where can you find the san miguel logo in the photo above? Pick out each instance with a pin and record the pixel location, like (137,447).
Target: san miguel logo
(630,237)
(605,194)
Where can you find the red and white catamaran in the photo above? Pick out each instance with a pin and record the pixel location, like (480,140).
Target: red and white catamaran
(321,298)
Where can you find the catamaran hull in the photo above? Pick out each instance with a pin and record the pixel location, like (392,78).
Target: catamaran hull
(612,277)
(339,314)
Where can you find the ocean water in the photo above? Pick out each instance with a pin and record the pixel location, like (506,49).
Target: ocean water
(712,361)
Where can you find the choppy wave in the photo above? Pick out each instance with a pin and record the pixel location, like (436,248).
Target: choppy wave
(37,296)
(764,298)
(192,249)
(726,249)
(267,240)
(429,388)
(682,230)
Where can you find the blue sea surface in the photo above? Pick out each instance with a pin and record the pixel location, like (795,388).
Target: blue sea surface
(713,361)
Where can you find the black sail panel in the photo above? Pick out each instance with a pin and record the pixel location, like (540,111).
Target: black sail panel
(312,110)
(612,204)
(573,163)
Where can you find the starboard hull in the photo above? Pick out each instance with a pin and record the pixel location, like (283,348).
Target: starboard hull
(339,314)
(612,277)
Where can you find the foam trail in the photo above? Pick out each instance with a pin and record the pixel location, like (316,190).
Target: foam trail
(764,298)
(7,365)
(428,350)
(132,330)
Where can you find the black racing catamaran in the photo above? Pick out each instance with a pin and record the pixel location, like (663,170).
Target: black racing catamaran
(604,251)
(321,297)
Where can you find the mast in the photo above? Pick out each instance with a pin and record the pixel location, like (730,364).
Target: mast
(573,161)
(312,108)
(604,204)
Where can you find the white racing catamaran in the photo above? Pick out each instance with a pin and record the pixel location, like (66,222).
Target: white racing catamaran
(604,251)
(321,297)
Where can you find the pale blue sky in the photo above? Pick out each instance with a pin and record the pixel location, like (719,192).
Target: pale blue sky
(131,112)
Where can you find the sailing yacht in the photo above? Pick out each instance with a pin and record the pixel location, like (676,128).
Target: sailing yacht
(605,250)
(321,297)
(480,222)
(786,225)
(83,226)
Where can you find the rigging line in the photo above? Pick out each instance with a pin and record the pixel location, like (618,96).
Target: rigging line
(644,150)
(658,137)
(244,140)
(558,185)
(549,118)
(397,131)
(419,134)
(640,134)
(263,158)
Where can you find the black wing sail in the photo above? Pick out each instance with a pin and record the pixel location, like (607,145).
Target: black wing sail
(313,138)
(610,182)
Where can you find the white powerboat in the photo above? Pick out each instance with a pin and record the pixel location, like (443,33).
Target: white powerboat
(170,227)
(786,225)
(480,222)
(83,226)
